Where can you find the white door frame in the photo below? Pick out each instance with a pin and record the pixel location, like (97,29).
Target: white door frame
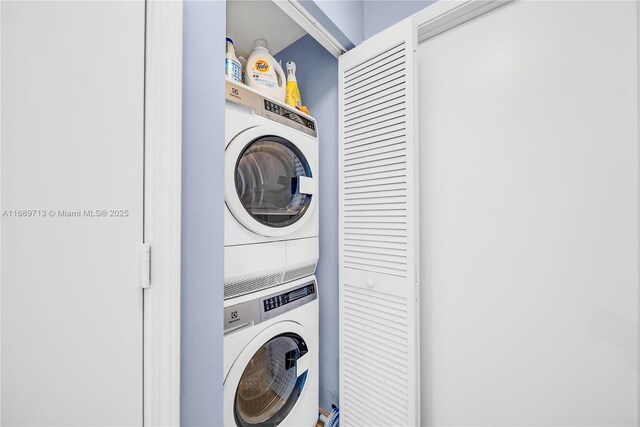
(162,207)
(444,15)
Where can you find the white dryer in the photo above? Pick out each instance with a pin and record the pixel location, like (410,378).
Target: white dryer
(271,357)
(271,192)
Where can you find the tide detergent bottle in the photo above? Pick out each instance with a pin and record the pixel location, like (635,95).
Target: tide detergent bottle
(264,73)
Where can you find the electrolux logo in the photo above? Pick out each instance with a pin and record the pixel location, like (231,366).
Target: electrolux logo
(233,317)
(235,93)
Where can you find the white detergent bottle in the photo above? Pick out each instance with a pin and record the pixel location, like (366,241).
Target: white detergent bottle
(232,67)
(264,73)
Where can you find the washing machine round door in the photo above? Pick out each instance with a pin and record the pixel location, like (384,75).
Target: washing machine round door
(270,384)
(270,378)
(269,180)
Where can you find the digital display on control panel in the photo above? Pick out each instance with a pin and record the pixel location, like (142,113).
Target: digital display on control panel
(287,297)
(291,115)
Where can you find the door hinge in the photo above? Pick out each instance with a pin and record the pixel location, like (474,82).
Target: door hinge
(145,265)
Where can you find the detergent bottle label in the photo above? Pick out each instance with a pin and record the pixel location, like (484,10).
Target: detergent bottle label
(262,74)
(233,70)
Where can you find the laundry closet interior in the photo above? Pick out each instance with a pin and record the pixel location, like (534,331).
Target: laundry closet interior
(281,229)
(364,232)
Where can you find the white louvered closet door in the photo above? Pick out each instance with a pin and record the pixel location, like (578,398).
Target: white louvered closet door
(379,312)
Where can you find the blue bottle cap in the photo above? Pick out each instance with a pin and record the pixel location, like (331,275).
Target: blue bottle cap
(229,40)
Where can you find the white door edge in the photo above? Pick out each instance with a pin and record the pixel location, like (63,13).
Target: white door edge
(444,15)
(162,193)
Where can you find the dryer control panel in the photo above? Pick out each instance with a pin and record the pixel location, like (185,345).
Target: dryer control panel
(270,109)
(261,309)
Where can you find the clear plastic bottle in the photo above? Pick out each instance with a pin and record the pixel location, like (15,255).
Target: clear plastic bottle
(242,57)
(232,67)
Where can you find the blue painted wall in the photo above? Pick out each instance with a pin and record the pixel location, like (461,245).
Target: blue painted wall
(201,391)
(344,19)
(352,21)
(379,15)
(317,73)
(348,15)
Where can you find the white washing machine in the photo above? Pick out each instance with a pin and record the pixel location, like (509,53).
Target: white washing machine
(271,192)
(271,357)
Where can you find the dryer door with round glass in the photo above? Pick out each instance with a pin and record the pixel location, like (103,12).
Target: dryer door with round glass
(270,182)
(271,382)
(268,177)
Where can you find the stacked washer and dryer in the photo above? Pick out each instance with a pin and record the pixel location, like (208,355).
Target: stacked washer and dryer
(271,252)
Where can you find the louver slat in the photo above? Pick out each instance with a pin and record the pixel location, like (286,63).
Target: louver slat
(378,110)
(375,90)
(365,68)
(378,242)
(384,346)
(388,114)
(384,73)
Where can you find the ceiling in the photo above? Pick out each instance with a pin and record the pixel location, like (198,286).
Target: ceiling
(251,19)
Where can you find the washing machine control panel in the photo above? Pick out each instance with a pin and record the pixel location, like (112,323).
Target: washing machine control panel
(265,308)
(290,297)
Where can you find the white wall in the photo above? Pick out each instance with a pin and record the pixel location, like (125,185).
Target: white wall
(529,204)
